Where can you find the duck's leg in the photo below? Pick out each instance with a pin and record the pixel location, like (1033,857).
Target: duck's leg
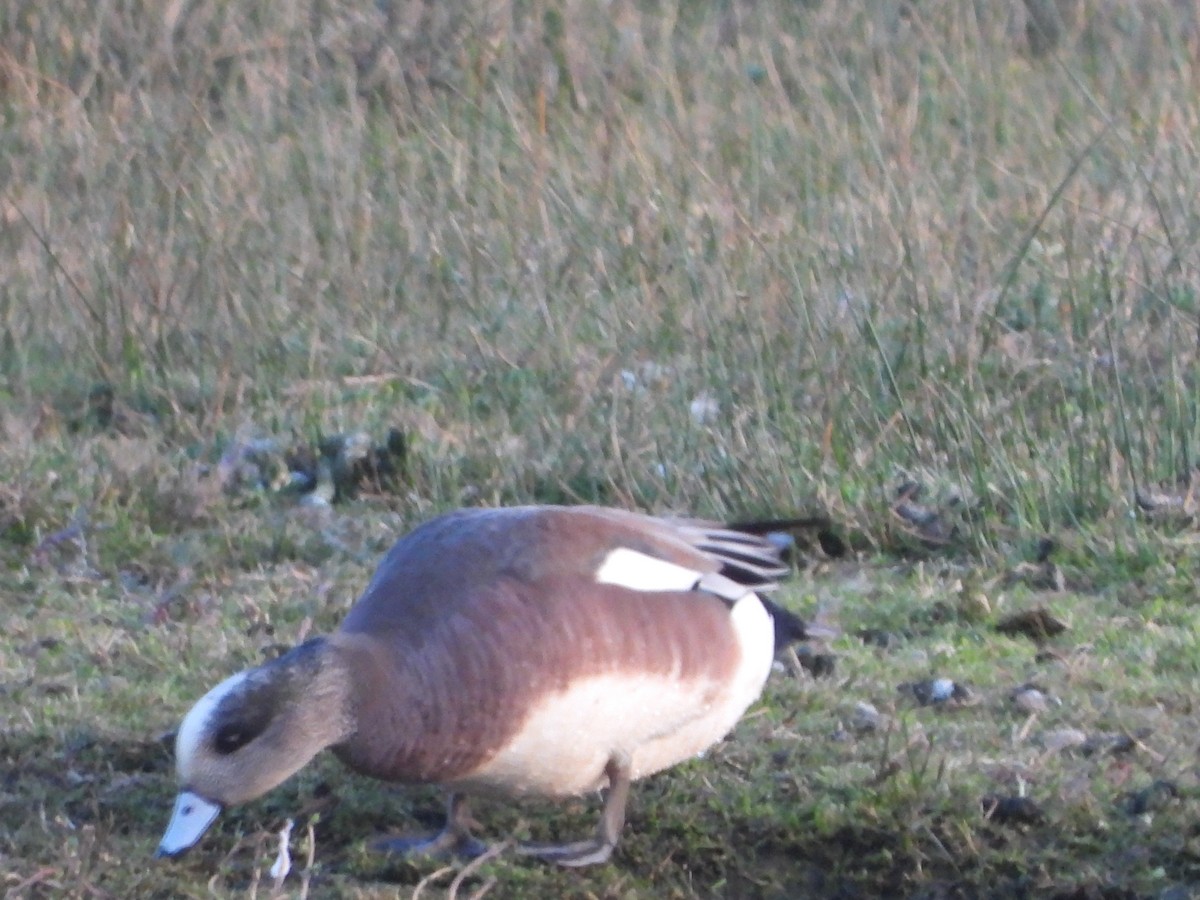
(455,839)
(599,848)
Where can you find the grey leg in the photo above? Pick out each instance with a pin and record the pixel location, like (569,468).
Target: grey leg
(455,839)
(599,848)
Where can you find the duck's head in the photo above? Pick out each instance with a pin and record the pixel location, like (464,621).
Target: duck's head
(253,731)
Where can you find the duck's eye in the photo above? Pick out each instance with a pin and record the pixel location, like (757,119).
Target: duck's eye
(231,738)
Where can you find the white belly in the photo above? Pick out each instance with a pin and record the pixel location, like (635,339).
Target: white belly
(655,720)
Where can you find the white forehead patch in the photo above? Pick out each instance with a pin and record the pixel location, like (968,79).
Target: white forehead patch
(195,724)
(642,572)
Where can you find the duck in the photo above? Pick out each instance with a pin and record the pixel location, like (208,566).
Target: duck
(547,651)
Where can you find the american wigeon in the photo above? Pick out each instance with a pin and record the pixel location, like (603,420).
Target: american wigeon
(535,650)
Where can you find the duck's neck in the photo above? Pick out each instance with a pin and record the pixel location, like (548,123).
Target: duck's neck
(324,677)
(397,710)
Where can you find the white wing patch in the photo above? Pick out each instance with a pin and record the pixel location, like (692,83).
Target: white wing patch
(725,588)
(642,572)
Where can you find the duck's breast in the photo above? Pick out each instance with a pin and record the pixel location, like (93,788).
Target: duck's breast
(656,715)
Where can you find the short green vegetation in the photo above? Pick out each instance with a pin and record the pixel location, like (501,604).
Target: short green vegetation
(910,265)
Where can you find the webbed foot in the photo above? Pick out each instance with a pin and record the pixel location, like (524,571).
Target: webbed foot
(612,820)
(579,853)
(455,839)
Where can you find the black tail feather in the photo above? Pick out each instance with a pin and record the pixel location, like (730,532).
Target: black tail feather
(800,528)
(791,629)
(769,526)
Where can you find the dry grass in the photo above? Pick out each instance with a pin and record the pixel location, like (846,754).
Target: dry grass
(730,259)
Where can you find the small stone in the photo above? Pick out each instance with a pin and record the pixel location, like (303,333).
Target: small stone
(877,637)
(1063,739)
(704,409)
(818,665)
(1032,699)
(866,717)
(1115,744)
(937,691)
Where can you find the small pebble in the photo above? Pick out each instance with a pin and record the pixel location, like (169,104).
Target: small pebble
(704,409)
(1032,699)
(866,717)
(877,637)
(1063,739)
(936,691)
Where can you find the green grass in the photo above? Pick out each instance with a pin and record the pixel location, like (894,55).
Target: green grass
(891,246)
